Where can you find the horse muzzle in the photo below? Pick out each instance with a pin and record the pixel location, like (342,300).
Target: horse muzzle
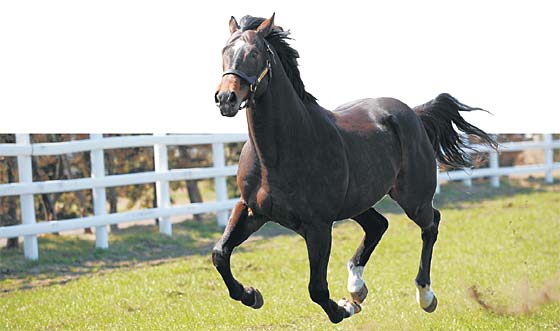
(228,102)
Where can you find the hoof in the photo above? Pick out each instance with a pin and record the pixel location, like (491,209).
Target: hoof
(350,307)
(252,298)
(426,298)
(259,301)
(432,307)
(360,296)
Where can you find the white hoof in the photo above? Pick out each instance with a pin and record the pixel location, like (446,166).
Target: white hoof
(350,307)
(426,298)
(360,296)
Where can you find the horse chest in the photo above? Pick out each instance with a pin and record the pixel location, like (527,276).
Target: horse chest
(255,191)
(296,189)
(268,200)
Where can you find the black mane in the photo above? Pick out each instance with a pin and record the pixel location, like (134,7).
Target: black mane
(277,38)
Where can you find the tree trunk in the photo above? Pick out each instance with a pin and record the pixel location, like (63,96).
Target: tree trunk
(48,200)
(48,205)
(12,243)
(194,195)
(155,201)
(68,174)
(113,206)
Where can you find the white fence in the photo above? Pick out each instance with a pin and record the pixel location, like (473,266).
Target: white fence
(494,171)
(98,182)
(26,188)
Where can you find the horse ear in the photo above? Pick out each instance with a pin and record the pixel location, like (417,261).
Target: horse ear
(233,26)
(266,26)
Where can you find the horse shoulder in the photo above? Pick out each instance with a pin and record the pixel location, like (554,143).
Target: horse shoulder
(248,173)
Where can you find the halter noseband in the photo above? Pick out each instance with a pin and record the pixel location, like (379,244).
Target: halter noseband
(253,81)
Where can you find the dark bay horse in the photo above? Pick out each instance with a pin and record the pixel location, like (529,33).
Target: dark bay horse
(305,167)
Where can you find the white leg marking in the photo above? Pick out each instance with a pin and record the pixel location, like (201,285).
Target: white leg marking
(347,305)
(424,295)
(355,281)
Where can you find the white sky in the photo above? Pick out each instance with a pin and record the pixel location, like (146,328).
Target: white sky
(153,66)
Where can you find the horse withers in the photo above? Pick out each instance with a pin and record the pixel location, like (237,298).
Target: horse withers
(305,167)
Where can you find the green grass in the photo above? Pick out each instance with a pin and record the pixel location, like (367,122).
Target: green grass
(505,241)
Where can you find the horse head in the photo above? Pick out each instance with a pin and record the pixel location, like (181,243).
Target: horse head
(245,63)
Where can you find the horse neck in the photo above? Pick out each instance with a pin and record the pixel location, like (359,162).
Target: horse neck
(278,120)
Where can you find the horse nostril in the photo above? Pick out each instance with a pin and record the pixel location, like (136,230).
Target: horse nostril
(232,98)
(216,100)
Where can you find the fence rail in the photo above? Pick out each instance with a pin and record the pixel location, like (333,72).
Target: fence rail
(494,171)
(161,176)
(98,182)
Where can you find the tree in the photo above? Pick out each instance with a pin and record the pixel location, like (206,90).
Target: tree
(62,205)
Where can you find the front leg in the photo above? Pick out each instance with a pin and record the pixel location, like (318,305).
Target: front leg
(318,241)
(240,226)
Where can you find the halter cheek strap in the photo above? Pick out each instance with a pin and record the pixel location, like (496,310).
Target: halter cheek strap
(253,81)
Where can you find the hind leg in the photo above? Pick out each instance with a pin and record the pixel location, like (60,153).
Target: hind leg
(428,219)
(424,294)
(374,226)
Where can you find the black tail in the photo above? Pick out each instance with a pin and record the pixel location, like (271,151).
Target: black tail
(438,117)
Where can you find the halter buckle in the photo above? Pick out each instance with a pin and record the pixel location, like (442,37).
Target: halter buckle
(266,70)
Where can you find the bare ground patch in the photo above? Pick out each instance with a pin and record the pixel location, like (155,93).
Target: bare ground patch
(528,300)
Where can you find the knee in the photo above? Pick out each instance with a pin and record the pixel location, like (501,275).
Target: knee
(430,233)
(318,295)
(383,224)
(219,258)
(437,217)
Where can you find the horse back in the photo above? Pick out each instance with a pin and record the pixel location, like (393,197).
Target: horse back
(380,137)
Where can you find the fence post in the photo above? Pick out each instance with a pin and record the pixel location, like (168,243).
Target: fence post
(548,158)
(25,172)
(494,165)
(99,193)
(438,189)
(220,181)
(468,181)
(162,186)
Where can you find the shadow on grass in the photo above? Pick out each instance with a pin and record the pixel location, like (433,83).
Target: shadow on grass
(456,195)
(67,257)
(63,258)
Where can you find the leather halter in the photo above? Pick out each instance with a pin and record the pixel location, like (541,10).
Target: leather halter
(253,81)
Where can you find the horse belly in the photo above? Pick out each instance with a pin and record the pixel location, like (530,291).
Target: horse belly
(373,168)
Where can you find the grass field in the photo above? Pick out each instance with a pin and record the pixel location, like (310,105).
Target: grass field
(505,242)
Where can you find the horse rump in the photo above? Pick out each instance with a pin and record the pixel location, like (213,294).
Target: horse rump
(438,116)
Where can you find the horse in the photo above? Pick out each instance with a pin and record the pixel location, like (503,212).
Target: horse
(305,167)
